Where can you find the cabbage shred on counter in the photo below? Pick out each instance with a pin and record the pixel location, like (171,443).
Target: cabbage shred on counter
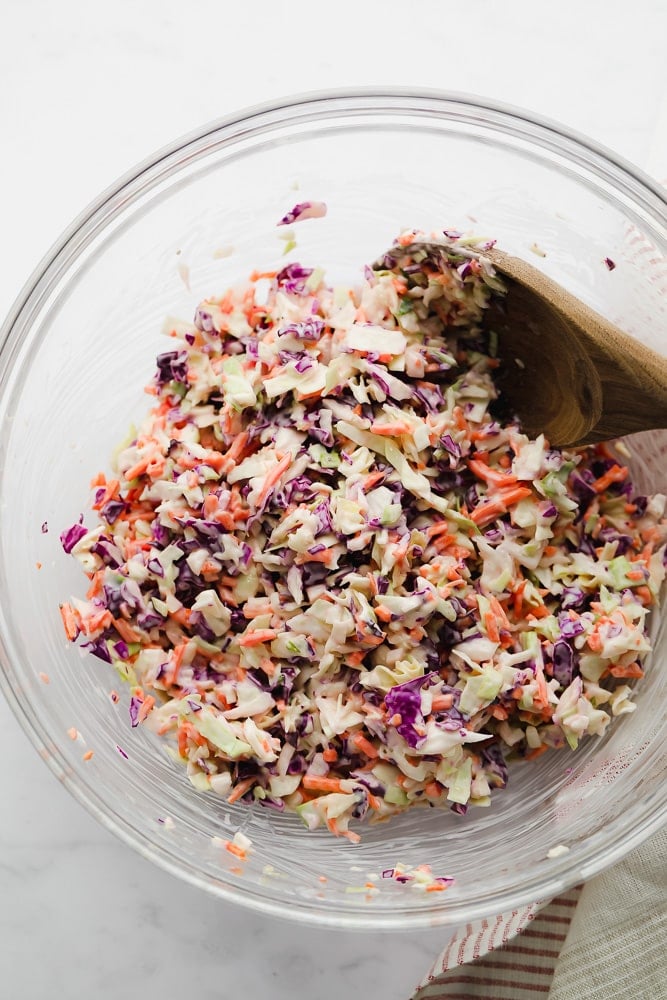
(335,578)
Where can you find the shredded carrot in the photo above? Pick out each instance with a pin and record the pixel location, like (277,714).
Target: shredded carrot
(109,493)
(137,470)
(632,670)
(325,556)
(491,627)
(181,615)
(224,518)
(234,849)
(536,752)
(70,620)
(273,476)
(406,238)
(394,429)
(256,275)
(489,509)
(237,446)
(126,631)
(594,641)
(302,396)
(491,476)
(647,552)
(177,661)
(514,494)
(96,585)
(603,449)
(257,636)
(617,474)
(364,744)
(211,503)
(539,611)
(240,789)
(268,666)
(372,480)
(442,702)
(440,528)
(320,783)
(461,422)
(134,545)
(499,612)
(145,707)
(541,699)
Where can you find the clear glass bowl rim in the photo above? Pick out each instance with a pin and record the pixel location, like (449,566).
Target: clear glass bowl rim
(627,179)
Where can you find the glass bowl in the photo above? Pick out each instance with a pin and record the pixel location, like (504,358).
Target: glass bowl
(77,350)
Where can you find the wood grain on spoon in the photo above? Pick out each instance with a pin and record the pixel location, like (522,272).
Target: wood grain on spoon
(580,378)
(568,372)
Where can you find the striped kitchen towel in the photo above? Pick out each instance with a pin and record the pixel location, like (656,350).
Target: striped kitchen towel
(604,940)
(509,957)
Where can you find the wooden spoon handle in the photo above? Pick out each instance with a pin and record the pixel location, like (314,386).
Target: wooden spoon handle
(589,380)
(633,381)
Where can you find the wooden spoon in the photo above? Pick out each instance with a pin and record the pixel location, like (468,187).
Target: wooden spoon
(567,372)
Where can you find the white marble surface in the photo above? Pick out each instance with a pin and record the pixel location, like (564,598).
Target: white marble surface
(86,90)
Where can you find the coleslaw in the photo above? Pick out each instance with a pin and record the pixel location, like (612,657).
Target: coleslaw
(336,579)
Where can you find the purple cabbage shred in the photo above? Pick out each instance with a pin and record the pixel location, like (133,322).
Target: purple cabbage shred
(71,536)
